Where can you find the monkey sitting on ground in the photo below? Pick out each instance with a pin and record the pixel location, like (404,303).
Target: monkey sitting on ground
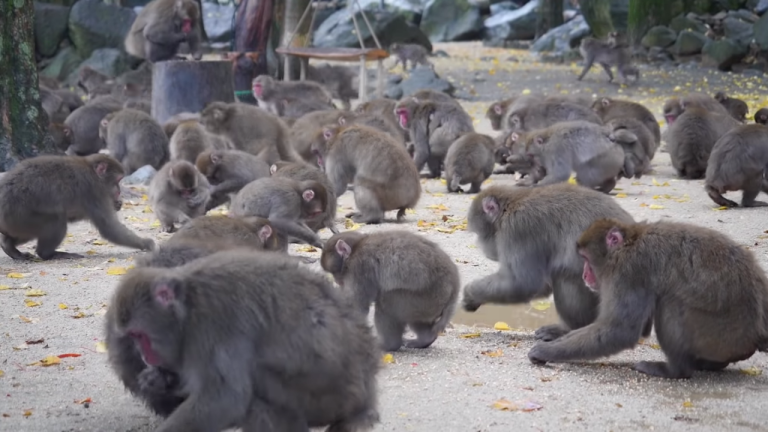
(284,199)
(161,26)
(381,123)
(243,339)
(269,92)
(428,95)
(675,106)
(603,53)
(737,162)
(470,159)
(173,122)
(228,171)
(497,112)
(190,139)
(761,116)
(540,115)
(737,108)
(637,142)
(293,108)
(413,282)
(383,175)
(178,193)
(304,172)
(705,318)
(614,109)
(433,127)
(580,147)
(84,123)
(414,53)
(304,130)
(41,195)
(531,232)
(135,139)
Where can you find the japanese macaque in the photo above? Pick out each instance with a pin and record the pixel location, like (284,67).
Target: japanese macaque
(161,26)
(412,280)
(414,53)
(304,172)
(537,265)
(384,108)
(338,80)
(761,116)
(269,92)
(636,140)
(675,106)
(40,196)
(383,124)
(737,108)
(304,131)
(738,162)
(135,139)
(603,53)
(217,344)
(190,139)
(228,171)
(540,115)
(705,318)
(470,159)
(612,109)
(178,193)
(84,123)
(379,167)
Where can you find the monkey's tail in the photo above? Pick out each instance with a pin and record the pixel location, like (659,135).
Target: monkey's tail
(445,317)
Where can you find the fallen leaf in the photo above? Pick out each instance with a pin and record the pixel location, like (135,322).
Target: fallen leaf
(541,305)
(83,401)
(572,180)
(388,358)
(721,208)
(752,370)
(655,183)
(90,252)
(101,347)
(21,347)
(4,287)
(34,293)
(446,230)
(35,342)
(25,319)
(61,356)
(144,197)
(15,275)
(31,303)
(79,315)
(116,271)
(99,242)
(48,361)
(469,335)
(27,413)
(147,209)
(155,224)
(501,326)
(655,207)
(440,207)
(525,406)
(425,224)
(621,195)
(307,248)
(687,404)
(351,225)
(62,306)
(489,353)
(2,374)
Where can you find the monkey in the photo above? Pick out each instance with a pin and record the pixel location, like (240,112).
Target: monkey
(170,125)
(737,108)
(281,198)
(49,82)
(190,139)
(705,318)
(384,108)
(383,124)
(675,106)
(761,116)
(250,129)
(497,112)
(609,109)
(433,127)
(135,139)
(178,193)
(228,171)
(304,172)
(380,169)
(61,134)
(70,99)
(737,162)
(138,104)
(617,40)
(292,108)
(268,92)
(414,53)
(470,159)
(578,146)
(412,280)
(428,95)
(258,334)
(337,80)
(92,81)
(41,195)
(544,114)
(531,233)
(304,131)
(635,139)
(161,26)
(83,125)
(53,105)
(175,254)
(601,52)
(691,137)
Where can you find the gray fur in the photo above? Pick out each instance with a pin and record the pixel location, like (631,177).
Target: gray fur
(304,172)
(618,110)
(541,115)
(167,194)
(136,139)
(189,139)
(637,142)
(691,137)
(84,124)
(737,162)
(306,129)
(603,53)
(229,171)
(405,52)
(273,92)
(470,159)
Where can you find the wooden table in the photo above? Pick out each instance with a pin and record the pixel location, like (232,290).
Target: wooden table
(362,55)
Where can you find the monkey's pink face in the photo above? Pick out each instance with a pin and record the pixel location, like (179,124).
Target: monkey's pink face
(257,89)
(186,26)
(402,117)
(670,118)
(145,346)
(588,274)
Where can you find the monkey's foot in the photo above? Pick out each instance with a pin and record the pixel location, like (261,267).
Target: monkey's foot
(707,365)
(549,333)
(755,204)
(536,356)
(61,255)
(420,343)
(21,256)
(470,306)
(659,369)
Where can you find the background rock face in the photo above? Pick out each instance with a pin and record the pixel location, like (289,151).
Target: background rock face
(50,27)
(94,24)
(338,30)
(451,20)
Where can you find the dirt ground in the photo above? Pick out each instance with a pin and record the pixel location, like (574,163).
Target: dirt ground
(474,378)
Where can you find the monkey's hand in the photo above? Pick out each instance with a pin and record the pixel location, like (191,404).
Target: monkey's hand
(153,380)
(148,244)
(539,354)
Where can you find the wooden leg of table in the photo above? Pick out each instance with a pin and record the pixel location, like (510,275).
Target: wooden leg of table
(286,68)
(303,72)
(380,79)
(363,81)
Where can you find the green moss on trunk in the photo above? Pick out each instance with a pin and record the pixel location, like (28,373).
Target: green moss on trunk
(644,14)
(598,16)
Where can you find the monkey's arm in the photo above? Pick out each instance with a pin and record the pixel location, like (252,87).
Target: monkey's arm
(296,231)
(420,139)
(518,281)
(624,312)
(103,216)
(559,173)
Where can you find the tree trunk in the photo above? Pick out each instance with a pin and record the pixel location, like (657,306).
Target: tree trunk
(550,15)
(25,124)
(598,16)
(203,34)
(644,14)
(189,86)
(253,24)
(293,11)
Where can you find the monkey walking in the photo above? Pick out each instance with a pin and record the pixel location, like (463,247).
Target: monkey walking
(243,339)
(707,295)
(607,55)
(413,282)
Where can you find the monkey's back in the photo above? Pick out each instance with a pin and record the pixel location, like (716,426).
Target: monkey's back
(737,157)
(470,157)
(691,139)
(266,197)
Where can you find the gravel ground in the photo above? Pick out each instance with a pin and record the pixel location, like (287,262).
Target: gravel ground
(465,379)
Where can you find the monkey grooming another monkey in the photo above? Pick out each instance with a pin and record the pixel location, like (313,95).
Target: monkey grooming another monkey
(304,172)
(737,162)
(761,116)
(135,139)
(383,175)
(41,195)
(737,108)
(414,53)
(161,26)
(284,199)
(269,92)
(705,318)
(254,341)
(250,129)
(433,127)
(674,106)
(541,115)
(603,53)
(612,109)
(228,171)
(531,233)
(470,159)
(413,282)
(178,193)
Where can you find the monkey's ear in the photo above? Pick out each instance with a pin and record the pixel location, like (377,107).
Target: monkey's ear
(514,137)
(308,195)
(342,121)
(273,169)
(218,114)
(491,207)
(605,102)
(497,109)
(539,140)
(104,122)
(166,293)
(101,169)
(327,133)
(265,233)
(614,238)
(343,248)
(215,158)
(67,131)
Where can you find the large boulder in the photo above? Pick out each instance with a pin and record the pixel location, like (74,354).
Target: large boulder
(689,42)
(761,32)
(659,36)
(723,53)
(563,38)
(217,20)
(761,7)
(109,61)
(63,63)
(682,22)
(410,9)
(50,27)
(421,78)
(511,25)
(738,30)
(451,20)
(94,24)
(338,30)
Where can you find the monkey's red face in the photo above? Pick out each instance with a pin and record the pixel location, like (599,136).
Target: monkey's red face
(402,117)
(145,346)
(257,89)
(186,26)
(588,274)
